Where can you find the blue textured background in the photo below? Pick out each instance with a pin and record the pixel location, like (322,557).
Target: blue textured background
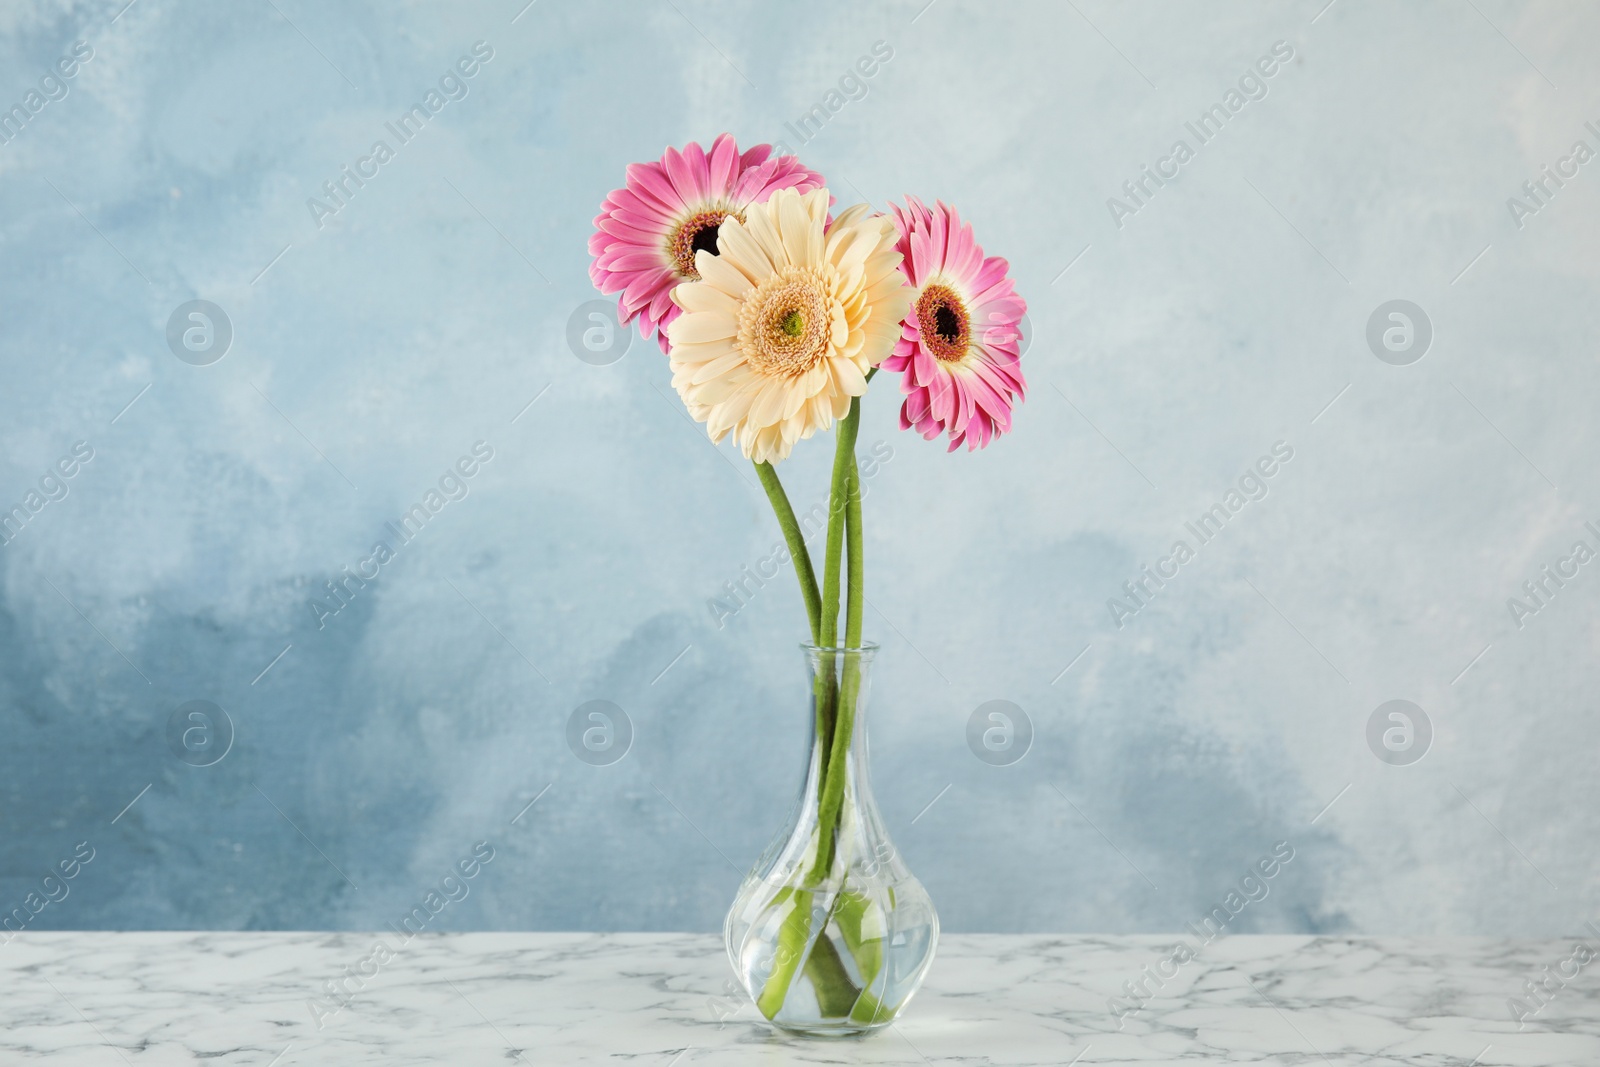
(371,353)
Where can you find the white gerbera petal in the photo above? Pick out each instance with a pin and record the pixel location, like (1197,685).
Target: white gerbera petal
(717,271)
(793,313)
(698,327)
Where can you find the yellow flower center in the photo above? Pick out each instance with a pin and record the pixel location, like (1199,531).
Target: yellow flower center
(785,322)
(697,233)
(946,328)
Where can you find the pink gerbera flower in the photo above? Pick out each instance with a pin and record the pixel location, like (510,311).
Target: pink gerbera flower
(958,344)
(647,233)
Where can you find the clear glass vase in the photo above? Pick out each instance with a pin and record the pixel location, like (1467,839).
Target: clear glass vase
(830,934)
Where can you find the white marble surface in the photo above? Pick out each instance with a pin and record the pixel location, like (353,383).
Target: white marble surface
(664,999)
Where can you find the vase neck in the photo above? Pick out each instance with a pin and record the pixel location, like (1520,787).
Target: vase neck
(838,793)
(841,680)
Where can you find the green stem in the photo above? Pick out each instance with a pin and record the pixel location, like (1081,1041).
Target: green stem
(851,912)
(836,993)
(835,697)
(846,498)
(857,591)
(857,554)
(831,797)
(792,935)
(826,693)
(798,554)
(832,800)
(844,459)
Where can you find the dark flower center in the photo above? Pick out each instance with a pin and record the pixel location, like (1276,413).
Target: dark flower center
(705,240)
(945,326)
(697,233)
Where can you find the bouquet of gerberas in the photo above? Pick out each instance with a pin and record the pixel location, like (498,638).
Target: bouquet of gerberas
(774,317)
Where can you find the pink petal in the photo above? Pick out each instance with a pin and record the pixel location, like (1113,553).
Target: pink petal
(722,165)
(650,180)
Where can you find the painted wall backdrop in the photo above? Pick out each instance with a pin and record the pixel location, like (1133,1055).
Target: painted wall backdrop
(1369,493)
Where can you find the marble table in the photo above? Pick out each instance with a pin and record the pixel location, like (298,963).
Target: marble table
(666,1000)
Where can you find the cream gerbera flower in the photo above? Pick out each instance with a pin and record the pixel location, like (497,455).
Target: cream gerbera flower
(783,325)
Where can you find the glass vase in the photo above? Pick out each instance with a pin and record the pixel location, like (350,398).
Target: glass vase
(830,934)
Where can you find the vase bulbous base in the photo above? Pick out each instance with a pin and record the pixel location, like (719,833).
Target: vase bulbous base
(831,961)
(830,934)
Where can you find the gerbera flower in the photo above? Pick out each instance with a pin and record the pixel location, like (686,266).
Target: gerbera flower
(779,332)
(958,345)
(648,234)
